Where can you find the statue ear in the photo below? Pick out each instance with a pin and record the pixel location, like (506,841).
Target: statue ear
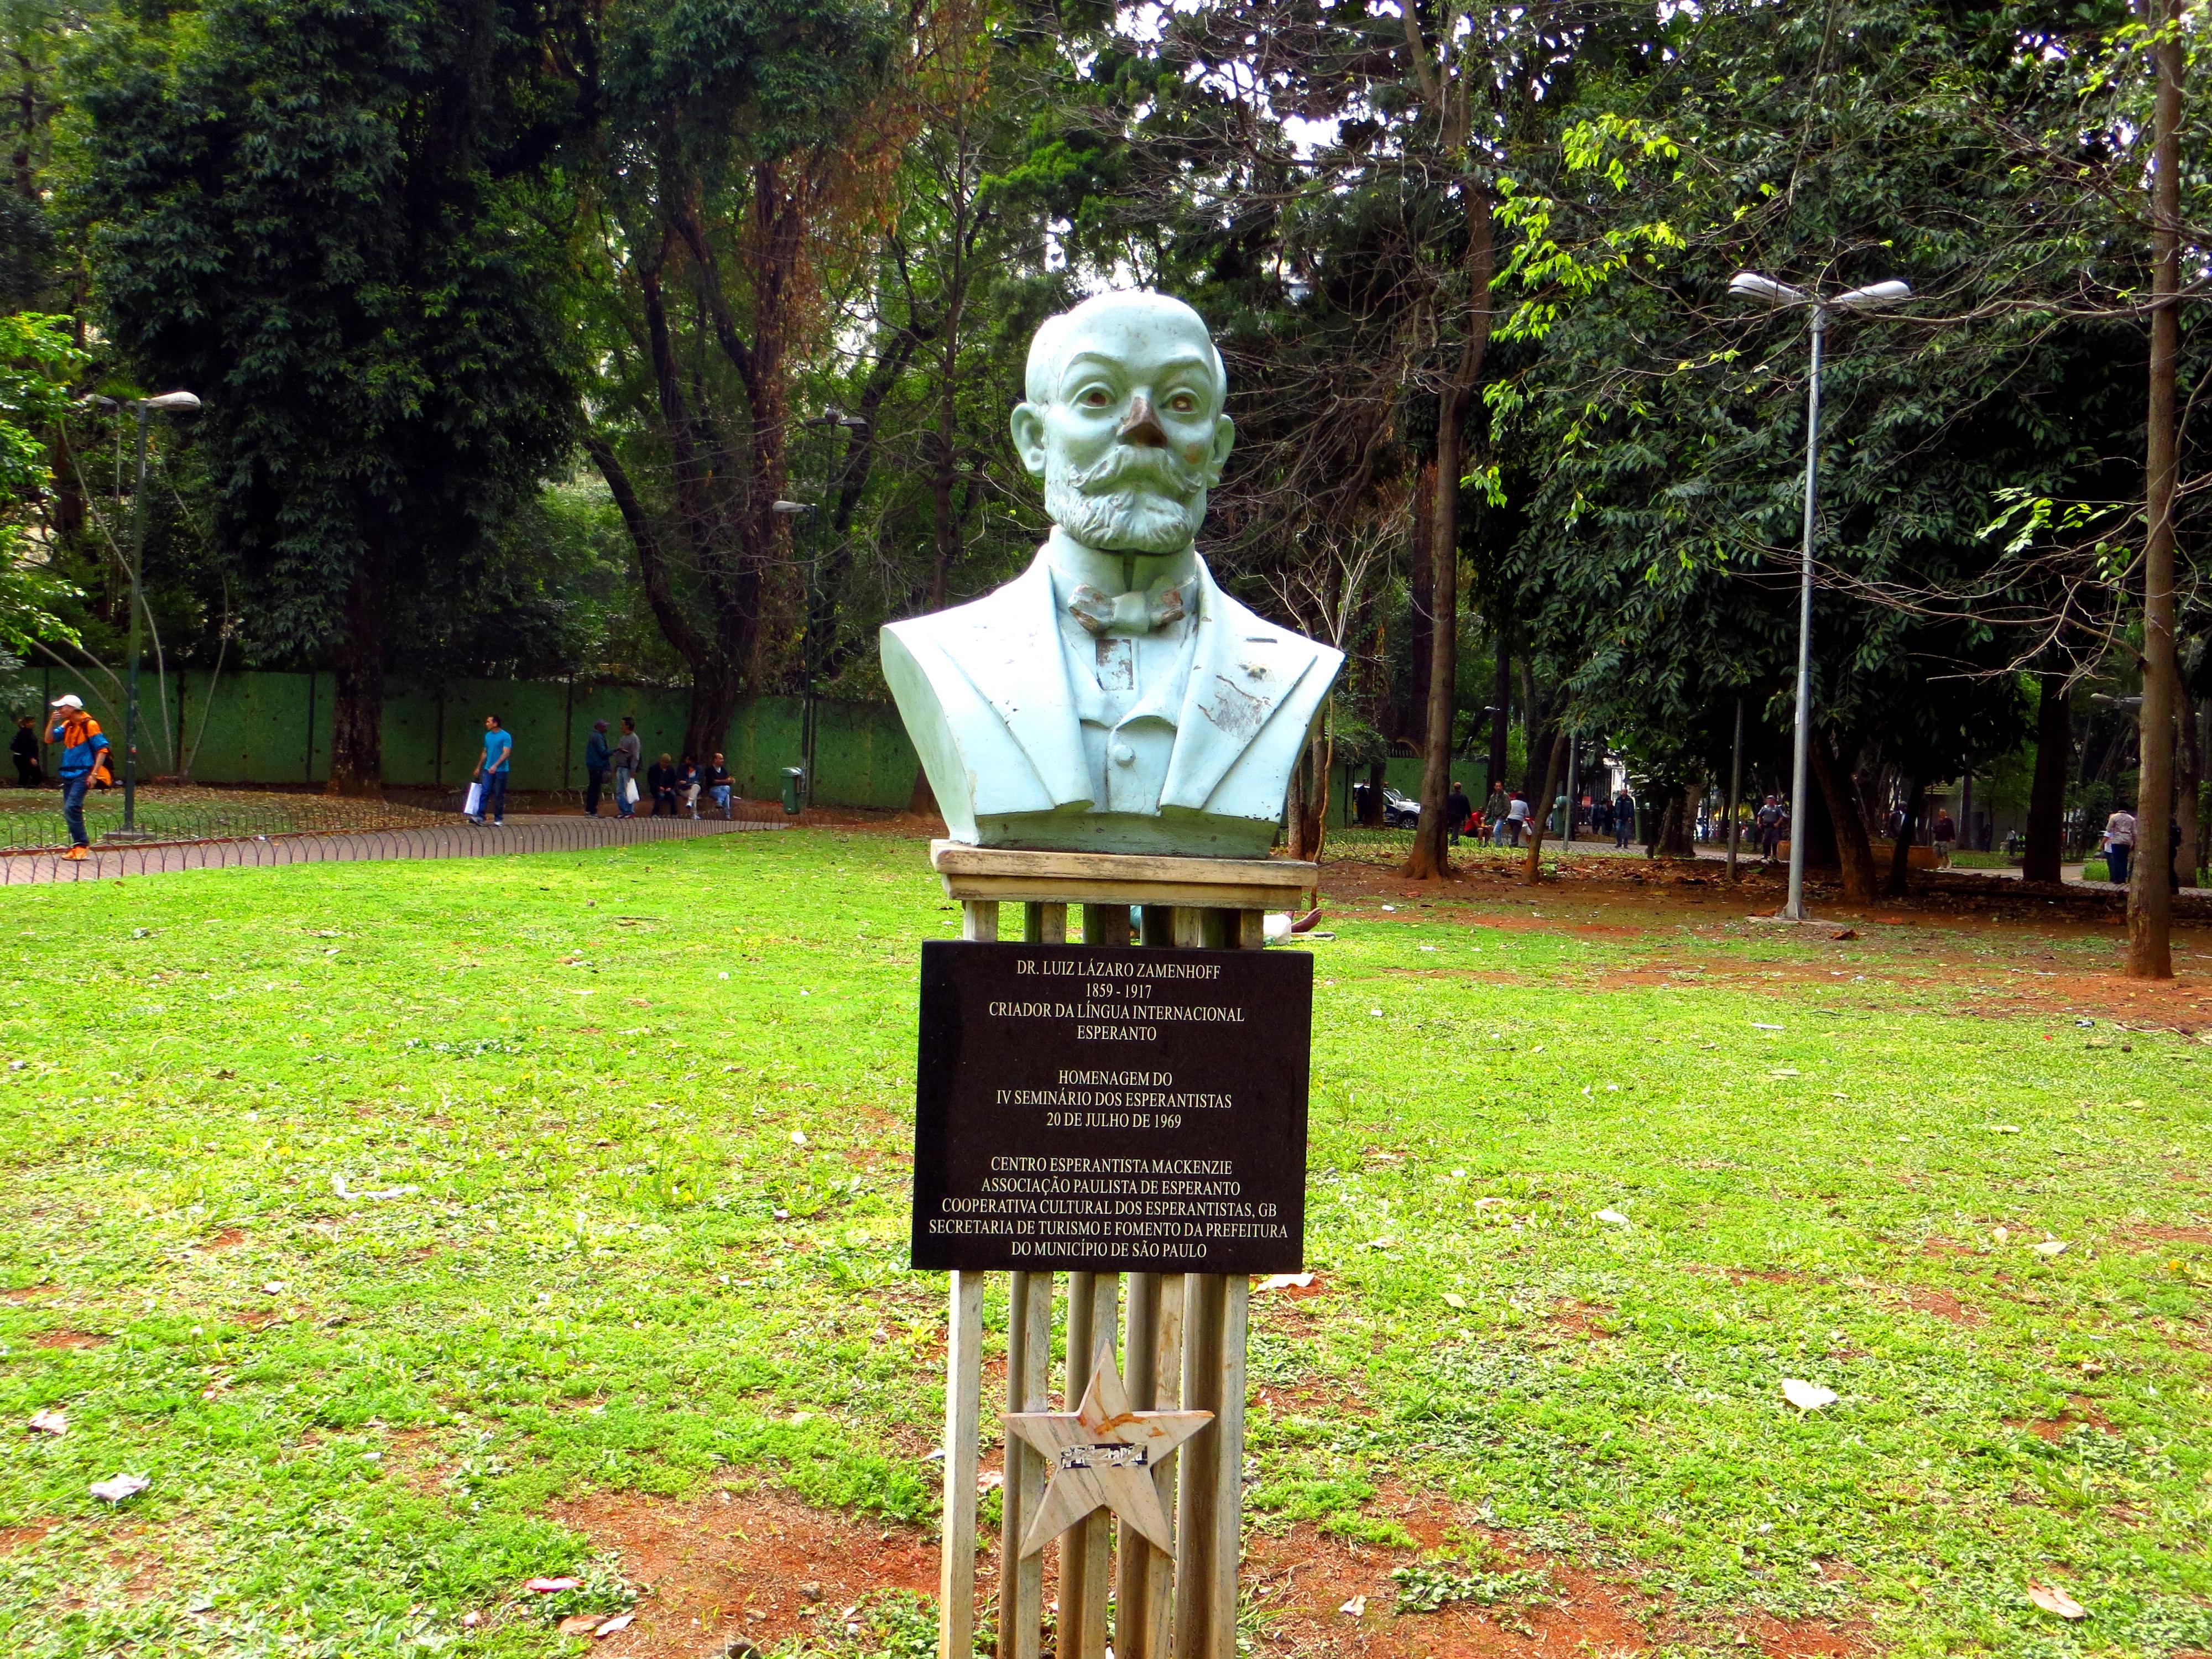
(1028,437)
(1224,439)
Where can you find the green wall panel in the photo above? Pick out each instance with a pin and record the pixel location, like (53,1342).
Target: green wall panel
(248,726)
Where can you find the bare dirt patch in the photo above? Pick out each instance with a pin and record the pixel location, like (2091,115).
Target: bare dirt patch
(2173,1234)
(22,1538)
(228,1239)
(2080,1413)
(759,1564)
(68,1339)
(1944,1305)
(23,1293)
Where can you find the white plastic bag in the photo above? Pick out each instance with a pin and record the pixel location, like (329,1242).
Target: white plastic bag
(630,791)
(474,804)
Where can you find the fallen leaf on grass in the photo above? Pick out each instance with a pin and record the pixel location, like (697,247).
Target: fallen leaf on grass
(48,1422)
(117,1487)
(2052,1599)
(581,1624)
(551,1586)
(1285,1282)
(2051,1247)
(1454,1299)
(1806,1396)
(1614,1218)
(620,1621)
(1357,1606)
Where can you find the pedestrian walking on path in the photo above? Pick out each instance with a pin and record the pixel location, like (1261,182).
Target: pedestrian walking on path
(491,773)
(1458,809)
(1769,822)
(1493,813)
(630,761)
(1624,819)
(598,761)
(24,747)
(1518,816)
(83,762)
(2120,845)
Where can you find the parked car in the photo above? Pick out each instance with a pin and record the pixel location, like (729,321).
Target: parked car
(1398,812)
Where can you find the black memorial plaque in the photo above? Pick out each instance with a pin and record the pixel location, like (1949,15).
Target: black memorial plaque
(1111,1111)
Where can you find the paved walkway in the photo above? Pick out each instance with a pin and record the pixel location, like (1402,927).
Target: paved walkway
(459,839)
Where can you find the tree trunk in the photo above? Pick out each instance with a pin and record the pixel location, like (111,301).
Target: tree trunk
(1429,859)
(1900,854)
(1321,755)
(2150,896)
(717,688)
(2046,793)
(1554,763)
(1854,852)
(922,803)
(1501,700)
(357,712)
(1421,633)
(1678,824)
(2188,780)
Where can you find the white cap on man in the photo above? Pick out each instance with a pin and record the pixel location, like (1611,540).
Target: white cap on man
(70,700)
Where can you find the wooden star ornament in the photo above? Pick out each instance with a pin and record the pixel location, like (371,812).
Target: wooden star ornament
(1102,1455)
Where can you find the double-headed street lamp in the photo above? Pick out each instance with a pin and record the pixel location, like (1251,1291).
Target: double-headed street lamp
(181,403)
(1749,285)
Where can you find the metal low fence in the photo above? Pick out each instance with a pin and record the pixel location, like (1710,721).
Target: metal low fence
(263,852)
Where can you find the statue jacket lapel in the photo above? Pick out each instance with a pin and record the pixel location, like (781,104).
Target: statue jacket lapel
(1244,669)
(1011,655)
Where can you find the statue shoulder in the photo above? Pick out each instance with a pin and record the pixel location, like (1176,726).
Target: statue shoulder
(1249,627)
(988,613)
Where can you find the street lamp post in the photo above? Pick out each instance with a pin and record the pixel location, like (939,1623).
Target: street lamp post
(182,402)
(1750,285)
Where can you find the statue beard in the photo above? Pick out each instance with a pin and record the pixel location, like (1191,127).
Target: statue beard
(1137,500)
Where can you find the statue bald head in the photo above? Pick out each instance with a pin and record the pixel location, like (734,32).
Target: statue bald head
(1124,421)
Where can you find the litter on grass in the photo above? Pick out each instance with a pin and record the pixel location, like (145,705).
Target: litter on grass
(1614,1218)
(117,1487)
(1285,1282)
(1806,1396)
(2052,1599)
(48,1422)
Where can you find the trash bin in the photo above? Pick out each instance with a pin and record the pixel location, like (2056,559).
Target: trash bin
(792,776)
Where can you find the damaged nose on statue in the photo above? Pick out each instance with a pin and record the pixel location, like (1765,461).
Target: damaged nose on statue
(1141,426)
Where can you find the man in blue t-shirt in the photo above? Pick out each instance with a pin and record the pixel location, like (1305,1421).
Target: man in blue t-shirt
(491,773)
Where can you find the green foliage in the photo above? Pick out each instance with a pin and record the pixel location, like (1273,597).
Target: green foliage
(37,357)
(1428,1586)
(325,219)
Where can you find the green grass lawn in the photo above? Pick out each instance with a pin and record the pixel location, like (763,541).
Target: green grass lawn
(589,1169)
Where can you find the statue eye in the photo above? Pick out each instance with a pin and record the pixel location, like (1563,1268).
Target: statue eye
(1097,397)
(1183,403)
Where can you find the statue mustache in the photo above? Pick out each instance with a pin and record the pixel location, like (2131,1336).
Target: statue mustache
(1127,464)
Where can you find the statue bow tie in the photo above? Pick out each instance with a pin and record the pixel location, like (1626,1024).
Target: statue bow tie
(1128,613)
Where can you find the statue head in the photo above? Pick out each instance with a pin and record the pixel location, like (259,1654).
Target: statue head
(1124,421)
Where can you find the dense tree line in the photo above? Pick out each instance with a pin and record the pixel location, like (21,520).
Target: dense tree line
(678,340)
